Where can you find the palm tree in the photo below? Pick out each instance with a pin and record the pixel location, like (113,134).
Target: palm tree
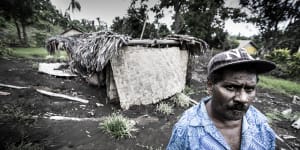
(74,5)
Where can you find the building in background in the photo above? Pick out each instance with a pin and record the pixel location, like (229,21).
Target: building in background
(71,31)
(250,46)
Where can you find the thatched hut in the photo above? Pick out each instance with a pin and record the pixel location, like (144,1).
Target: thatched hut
(135,72)
(71,32)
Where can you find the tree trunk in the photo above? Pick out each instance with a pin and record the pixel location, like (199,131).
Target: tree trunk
(18,31)
(25,42)
(178,20)
(177,23)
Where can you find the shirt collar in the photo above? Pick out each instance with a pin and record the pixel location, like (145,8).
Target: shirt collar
(245,125)
(202,118)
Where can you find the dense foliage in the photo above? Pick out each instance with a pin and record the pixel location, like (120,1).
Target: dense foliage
(277,20)
(136,20)
(33,21)
(203,19)
(4,50)
(288,65)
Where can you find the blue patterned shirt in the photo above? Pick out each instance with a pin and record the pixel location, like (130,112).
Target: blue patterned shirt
(196,131)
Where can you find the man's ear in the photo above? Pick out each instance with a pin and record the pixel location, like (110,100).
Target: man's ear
(209,85)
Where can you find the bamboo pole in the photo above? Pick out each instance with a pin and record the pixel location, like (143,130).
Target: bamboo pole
(152,42)
(144,26)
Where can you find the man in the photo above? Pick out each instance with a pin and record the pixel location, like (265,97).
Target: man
(226,119)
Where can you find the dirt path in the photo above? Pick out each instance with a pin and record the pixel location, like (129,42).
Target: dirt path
(23,115)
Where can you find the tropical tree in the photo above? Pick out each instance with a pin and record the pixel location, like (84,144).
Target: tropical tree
(163,30)
(22,13)
(291,37)
(74,4)
(101,25)
(135,20)
(118,25)
(178,7)
(203,19)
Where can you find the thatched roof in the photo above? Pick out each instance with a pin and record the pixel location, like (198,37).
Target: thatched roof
(89,53)
(70,29)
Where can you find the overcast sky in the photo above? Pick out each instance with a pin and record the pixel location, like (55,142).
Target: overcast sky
(107,10)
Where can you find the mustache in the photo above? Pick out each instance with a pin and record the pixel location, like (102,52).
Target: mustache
(239,106)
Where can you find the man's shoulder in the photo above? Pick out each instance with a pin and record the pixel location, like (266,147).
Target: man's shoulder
(189,115)
(255,117)
(192,122)
(260,131)
(194,116)
(259,123)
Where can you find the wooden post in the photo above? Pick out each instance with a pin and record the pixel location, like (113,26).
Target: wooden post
(189,69)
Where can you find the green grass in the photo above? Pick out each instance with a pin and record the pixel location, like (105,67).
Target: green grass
(275,115)
(118,126)
(181,100)
(188,90)
(279,85)
(32,53)
(165,108)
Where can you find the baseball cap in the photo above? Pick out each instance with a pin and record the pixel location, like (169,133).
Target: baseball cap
(238,57)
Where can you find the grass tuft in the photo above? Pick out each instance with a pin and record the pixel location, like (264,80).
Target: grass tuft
(188,90)
(165,108)
(271,116)
(35,66)
(181,100)
(118,126)
(279,85)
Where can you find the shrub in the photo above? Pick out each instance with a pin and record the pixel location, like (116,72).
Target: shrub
(279,55)
(294,65)
(4,50)
(188,90)
(40,39)
(164,108)
(287,65)
(118,126)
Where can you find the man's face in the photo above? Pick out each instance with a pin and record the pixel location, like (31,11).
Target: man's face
(232,96)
